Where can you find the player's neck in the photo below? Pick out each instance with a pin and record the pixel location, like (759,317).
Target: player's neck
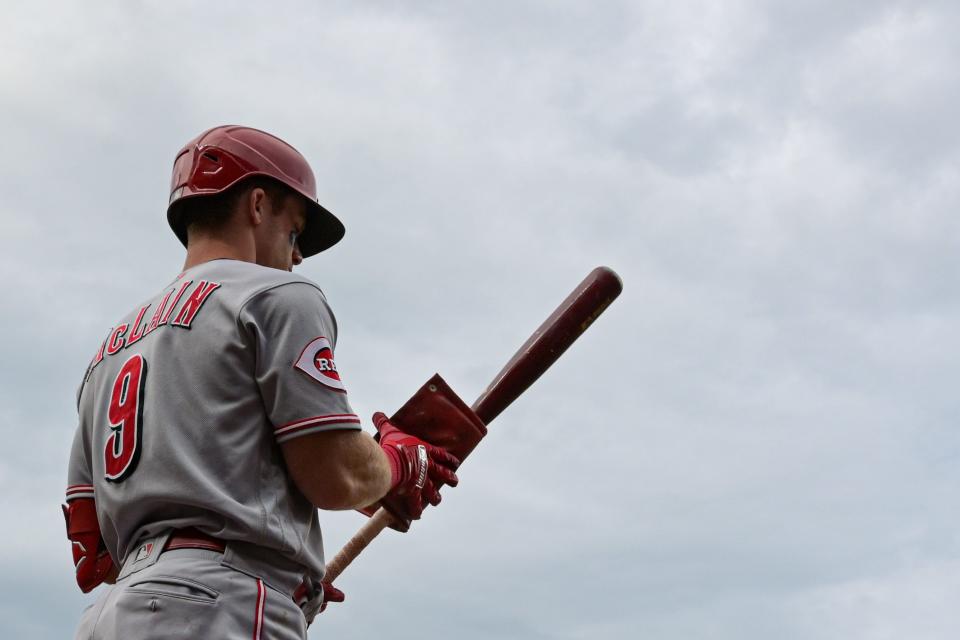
(205,249)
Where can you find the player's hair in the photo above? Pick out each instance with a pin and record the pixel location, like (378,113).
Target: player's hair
(209,213)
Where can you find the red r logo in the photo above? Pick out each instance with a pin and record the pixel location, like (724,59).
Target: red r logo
(323,361)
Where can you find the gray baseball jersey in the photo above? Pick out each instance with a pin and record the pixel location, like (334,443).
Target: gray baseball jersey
(183,406)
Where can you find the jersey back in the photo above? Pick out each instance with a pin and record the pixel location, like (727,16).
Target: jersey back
(182,410)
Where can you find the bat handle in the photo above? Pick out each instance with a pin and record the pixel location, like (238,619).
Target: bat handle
(370,530)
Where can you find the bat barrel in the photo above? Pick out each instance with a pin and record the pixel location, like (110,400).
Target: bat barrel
(549,341)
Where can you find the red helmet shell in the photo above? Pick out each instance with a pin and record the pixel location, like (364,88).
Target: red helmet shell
(221,157)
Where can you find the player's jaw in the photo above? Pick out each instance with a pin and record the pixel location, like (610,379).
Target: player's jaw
(277,245)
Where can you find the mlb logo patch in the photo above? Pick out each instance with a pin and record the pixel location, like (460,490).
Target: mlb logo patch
(144,551)
(316,360)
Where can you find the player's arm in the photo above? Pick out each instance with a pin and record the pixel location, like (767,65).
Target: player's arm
(338,470)
(349,469)
(329,458)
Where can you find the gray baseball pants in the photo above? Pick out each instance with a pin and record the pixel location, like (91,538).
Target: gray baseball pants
(190,594)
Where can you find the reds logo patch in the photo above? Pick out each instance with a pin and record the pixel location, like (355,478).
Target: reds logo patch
(316,360)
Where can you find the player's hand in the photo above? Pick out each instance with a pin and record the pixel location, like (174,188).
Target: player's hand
(330,594)
(327,594)
(418,470)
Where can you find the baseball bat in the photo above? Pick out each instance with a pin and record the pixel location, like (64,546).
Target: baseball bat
(561,329)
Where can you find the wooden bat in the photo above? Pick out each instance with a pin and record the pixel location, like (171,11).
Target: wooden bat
(538,353)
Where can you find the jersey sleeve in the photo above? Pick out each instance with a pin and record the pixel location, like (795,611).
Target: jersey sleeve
(79,479)
(294,335)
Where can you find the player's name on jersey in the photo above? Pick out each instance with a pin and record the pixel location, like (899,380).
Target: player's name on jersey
(185,298)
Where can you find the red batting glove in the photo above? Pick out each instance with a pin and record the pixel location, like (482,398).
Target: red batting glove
(315,604)
(417,470)
(330,594)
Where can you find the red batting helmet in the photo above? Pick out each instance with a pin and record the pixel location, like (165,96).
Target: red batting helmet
(221,157)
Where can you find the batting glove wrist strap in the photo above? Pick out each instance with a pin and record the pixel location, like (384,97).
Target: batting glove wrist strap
(400,465)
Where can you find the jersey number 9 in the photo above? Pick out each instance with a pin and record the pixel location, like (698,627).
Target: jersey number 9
(125,414)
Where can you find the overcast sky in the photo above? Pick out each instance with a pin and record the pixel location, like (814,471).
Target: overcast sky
(757,440)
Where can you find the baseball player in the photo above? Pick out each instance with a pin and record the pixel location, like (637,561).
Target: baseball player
(213,420)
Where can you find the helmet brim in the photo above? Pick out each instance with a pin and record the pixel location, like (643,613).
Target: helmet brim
(323,230)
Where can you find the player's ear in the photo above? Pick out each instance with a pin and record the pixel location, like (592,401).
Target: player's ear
(257,205)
